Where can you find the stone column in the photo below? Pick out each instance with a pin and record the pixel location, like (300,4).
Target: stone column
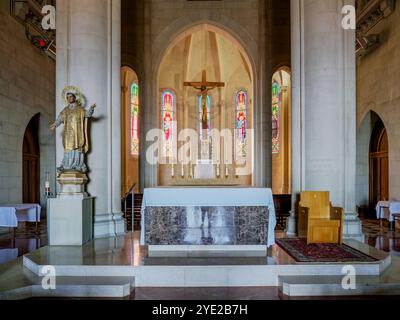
(324,106)
(89,57)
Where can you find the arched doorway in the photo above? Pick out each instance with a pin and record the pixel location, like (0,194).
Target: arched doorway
(31,162)
(281,132)
(205,54)
(130,130)
(379,164)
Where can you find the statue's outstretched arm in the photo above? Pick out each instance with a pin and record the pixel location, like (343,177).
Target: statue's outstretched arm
(90,111)
(57,123)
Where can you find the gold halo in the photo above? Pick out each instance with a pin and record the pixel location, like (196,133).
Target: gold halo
(75,90)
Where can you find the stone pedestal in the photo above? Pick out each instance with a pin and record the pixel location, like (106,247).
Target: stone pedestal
(70,221)
(352,227)
(72,184)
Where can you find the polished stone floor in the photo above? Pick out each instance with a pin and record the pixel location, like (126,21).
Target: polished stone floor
(27,240)
(381,238)
(128,252)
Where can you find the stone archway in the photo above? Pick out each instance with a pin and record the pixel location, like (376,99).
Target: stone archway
(261,88)
(378,164)
(31,162)
(206,48)
(130,130)
(372,138)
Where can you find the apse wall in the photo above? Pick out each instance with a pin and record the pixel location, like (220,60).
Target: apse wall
(27,87)
(206,49)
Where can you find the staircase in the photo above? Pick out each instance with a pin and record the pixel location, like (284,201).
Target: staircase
(127,209)
(137,210)
(283,205)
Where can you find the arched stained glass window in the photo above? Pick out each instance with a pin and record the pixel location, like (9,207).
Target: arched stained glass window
(241,103)
(168,117)
(276,105)
(134,119)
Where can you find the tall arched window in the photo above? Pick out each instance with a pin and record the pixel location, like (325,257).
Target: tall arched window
(241,103)
(276,105)
(168,101)
(135,118)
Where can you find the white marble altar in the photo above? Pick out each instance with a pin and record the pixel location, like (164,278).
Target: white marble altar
(210,198)
(204,170)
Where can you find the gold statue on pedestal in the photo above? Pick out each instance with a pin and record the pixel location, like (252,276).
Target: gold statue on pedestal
(75,134)
(72,171)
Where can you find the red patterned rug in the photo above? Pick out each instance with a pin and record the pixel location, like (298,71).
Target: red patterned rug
(324,252)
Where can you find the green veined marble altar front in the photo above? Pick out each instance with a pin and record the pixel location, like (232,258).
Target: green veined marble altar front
(191,225)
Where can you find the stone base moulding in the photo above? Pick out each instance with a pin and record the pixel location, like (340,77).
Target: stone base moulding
(72,184)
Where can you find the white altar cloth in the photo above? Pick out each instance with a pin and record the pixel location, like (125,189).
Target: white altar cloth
(210,197)
(386,209)
(7,255)
(204,170)
(11,214)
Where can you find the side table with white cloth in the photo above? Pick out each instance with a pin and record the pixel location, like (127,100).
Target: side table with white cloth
(387,210)
(11,214)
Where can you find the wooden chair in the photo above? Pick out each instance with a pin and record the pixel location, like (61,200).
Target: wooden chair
(318,221)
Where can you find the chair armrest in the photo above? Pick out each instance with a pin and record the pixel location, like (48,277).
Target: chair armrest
(303,210)
(302,221)
(337,213)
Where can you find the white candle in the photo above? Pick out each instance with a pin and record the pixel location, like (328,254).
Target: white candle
(218,169)
(172,170)
(183,170)
(47,183)
(226,170)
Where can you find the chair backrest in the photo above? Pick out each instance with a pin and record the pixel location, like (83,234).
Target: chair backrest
(318,203)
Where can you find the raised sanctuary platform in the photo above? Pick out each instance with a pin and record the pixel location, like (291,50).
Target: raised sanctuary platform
(114,267)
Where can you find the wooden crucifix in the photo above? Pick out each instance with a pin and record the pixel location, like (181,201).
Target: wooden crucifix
(204,86)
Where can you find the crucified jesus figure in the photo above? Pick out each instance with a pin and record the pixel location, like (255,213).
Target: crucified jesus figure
(204,86)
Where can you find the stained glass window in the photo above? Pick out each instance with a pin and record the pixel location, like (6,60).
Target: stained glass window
(276,105)
(204,117)
(241,101)
(134,119)
(168,118)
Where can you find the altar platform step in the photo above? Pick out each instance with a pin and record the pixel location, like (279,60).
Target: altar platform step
(201,272)
(325,286)
(27,285)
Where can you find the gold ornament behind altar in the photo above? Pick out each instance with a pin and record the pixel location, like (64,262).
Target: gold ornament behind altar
(72,171)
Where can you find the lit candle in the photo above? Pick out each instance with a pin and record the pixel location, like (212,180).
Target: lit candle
(218,168)
(172,170)
(183,170)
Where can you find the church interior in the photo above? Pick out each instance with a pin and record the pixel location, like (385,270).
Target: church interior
(199,149)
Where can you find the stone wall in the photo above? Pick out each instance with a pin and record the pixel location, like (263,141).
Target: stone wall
(378,90)
(27,87)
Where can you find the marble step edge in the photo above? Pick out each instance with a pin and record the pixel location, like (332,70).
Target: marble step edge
(223,251)
(242,271)
(319,286)
(74,287)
